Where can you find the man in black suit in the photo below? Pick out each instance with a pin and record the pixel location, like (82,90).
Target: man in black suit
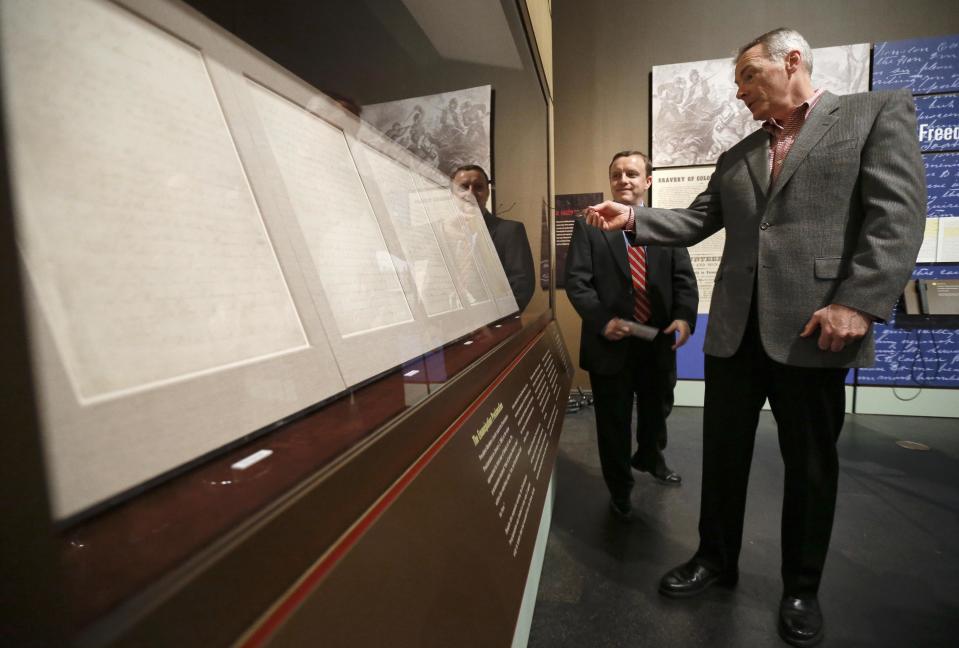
(612,289)
(509,237)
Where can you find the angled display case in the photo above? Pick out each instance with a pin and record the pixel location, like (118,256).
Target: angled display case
(256,341)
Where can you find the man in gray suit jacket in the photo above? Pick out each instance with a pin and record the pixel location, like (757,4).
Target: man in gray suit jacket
(824,210)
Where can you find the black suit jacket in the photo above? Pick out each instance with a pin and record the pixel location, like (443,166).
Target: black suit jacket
(512,247)
(599,285)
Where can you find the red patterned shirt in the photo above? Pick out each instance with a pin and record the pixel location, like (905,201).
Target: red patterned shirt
(783,135)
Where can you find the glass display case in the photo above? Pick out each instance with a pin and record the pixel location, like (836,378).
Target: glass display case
(249,311)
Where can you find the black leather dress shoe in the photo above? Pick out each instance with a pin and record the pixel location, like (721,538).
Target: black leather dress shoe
(666,476)
(692,578)
(660,472)
(622,511)
(800,621)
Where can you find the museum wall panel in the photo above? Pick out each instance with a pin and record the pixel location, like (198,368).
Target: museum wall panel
(603,104)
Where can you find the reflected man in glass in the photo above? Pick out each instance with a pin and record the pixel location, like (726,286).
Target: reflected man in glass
(509,237)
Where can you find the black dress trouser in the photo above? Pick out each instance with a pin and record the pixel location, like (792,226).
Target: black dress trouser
(809,406)
(649,373)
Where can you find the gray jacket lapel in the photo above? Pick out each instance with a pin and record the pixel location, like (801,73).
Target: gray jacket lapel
(822,118)
(757,160)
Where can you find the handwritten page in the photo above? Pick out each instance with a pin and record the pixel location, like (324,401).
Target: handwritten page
(412,224)
(925,65)
(913,357)
(927,357)
(138,229)
(487,256)
(344,239)
(460,240)
(942,184)
(938,122)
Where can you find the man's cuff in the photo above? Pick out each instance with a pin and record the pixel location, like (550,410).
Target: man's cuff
(869,316)
(631,220)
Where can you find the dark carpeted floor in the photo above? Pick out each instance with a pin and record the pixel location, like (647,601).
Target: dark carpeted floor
(892,576)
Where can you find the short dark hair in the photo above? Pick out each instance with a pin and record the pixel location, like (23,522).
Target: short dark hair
(647,164)
(471,167)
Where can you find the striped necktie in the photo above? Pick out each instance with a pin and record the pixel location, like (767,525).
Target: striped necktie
(637,268)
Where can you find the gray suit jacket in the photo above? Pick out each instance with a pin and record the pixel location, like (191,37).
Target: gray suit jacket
(842,224)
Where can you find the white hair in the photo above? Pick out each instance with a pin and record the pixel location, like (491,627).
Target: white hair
(778,43)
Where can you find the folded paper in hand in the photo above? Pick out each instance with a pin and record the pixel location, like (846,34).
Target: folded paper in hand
(642,331)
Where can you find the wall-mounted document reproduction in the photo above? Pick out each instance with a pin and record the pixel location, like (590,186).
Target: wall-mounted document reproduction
(942,184)
(447,130)
(916,357)
(676,188)
(696,115)
(203,255)
(569,207)
(924,65)
(938,122)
